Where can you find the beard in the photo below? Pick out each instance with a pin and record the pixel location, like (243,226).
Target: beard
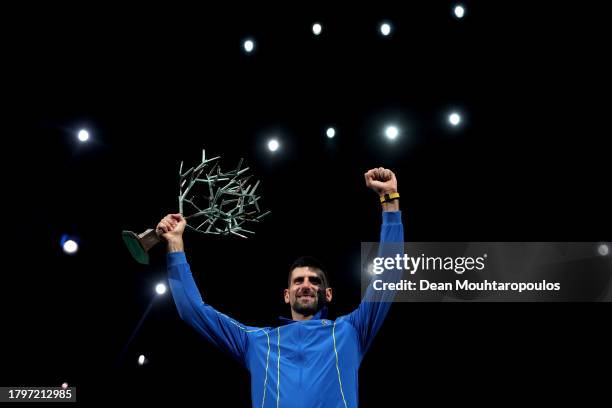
(310,308)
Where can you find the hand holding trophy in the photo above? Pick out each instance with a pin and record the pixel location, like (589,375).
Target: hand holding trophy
(219,203)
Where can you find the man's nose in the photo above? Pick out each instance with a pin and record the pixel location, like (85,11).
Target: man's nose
(308,284)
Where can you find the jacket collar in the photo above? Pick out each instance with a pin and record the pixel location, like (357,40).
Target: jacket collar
(321,314)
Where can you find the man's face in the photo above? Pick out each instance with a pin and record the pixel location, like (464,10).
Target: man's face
(306,293)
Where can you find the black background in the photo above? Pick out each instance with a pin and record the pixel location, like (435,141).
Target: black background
(155,84)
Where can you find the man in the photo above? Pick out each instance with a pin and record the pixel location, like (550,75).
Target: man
(308,361)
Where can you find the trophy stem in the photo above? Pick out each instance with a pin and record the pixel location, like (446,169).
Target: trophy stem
(148,239)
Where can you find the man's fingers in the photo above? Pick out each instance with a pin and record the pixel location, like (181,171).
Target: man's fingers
(379,174)
(376,174)
(368,177)
(171,219)
(169,223)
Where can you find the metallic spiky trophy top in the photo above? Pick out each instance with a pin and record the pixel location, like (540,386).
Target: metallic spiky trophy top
(230,202)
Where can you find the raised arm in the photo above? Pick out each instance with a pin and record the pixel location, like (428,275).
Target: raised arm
(374,306)
(216,327)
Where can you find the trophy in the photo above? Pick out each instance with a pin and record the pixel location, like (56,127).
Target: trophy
(219,203)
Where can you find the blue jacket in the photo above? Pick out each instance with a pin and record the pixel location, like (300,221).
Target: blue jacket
(311,363)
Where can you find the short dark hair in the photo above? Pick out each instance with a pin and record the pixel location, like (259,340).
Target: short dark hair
(312,263)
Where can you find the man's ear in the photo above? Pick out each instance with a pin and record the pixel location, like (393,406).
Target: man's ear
(328,294)
(286,295)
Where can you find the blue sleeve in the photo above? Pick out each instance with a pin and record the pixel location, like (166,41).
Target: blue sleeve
(374,306)
(216,327)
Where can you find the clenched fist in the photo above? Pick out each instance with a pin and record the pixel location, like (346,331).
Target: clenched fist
(171,227)
(381,180)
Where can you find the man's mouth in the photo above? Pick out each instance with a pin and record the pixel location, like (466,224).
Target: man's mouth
(311,297)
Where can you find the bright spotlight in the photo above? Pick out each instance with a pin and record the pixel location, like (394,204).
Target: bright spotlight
(70,247)
(83,135)
(249,46)
(316,28)
(391,132)
(459,11)
(454,119)
(603,250)
(370,269)
(273,145)
(385,29)
(331,132)
(65,385)
(160,288)
(141,359)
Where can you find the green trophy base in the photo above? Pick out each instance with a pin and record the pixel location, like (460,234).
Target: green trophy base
(140,244)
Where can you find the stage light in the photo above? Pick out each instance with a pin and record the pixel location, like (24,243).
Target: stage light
(141,359)
(273,145)
(385,29)
(331,132)
(70,247)
(249,46)
(65,385)
(370,269)
(454,119)
(603,250)
(316,28)
(391,132)
(459,11)
(83,135)
(160,288)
